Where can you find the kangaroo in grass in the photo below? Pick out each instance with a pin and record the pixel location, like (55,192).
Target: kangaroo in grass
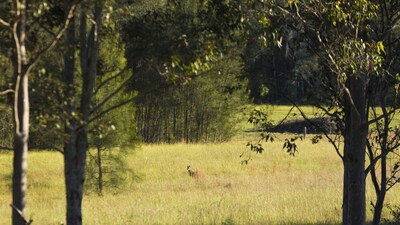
(192,173)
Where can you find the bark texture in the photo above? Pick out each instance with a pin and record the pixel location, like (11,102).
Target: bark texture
(21,118)
(356,153)
(75,148)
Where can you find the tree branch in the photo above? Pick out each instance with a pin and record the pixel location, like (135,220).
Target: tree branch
(18,73)
(377,118)
(109,79)
(54,35)
(371,167)
(4,23)
(332,141)
(21,215)
(110,96)
(60,33)
(7,91)
(100,114)
(352,104)
(287,115)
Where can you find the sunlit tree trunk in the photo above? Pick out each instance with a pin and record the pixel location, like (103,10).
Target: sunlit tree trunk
(21,117)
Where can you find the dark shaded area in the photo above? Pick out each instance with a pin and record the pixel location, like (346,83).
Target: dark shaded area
(314,126)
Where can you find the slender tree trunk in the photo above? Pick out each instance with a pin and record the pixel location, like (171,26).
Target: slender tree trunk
(21,118)
(186,125)
(100,170)
(174,124)
(20,161)
(381,194)
(381,190)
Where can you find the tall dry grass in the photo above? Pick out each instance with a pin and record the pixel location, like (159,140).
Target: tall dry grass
(274,188)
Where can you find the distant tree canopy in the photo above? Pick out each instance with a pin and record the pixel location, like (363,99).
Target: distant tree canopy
(186,64)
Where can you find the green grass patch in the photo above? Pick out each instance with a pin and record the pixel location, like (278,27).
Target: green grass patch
(274,188)
(276,113)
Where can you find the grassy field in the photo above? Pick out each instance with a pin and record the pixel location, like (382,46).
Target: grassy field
(274,188)
(275,114)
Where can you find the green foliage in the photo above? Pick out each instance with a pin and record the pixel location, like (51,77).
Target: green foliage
(203,110)
(113,134)
(47,107)
(185,64)
(228,221)
(113,168)
(260,118)
(6,128)
(181,40)
(290,145)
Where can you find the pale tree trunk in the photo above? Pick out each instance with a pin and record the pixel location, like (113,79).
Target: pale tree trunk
(21,118)
(21,69)
(20,162)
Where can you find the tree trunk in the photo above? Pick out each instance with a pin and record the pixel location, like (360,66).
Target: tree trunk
(345,204)
(75,150)
(20,161)
(356,153)
(186,125)
(100,170)
(346,149)
(381,191)
(21,119)
(72,158)
(174,132)
(381,194)
(74,169)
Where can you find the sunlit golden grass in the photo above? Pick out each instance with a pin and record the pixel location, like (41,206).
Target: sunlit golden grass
(274,188)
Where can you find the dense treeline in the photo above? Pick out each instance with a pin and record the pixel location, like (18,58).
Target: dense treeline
(187,76)
(201,111)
